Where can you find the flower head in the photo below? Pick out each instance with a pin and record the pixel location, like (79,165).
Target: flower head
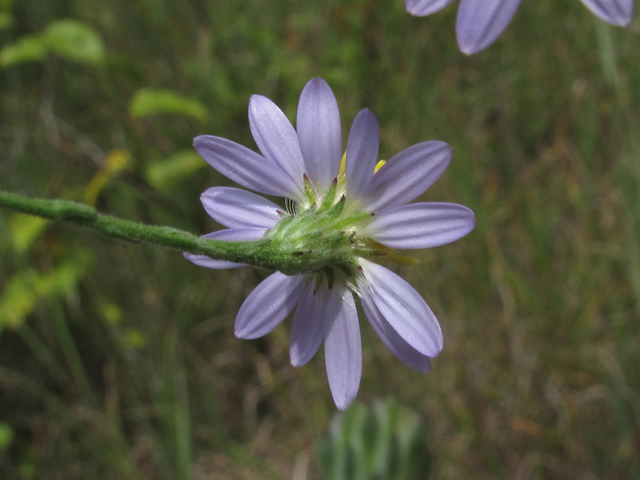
(481,22)
(346,209)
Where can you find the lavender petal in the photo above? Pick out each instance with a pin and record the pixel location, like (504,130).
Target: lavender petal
(235,208)
(319,133)
(342,347)
(307,330)
(246,167)
(390,337)
(421,225)
(407,175)
(481,22)
(403,307)
(277,139)
(362,154)
(422,8)
(268,305)
(230,235)
(615,12)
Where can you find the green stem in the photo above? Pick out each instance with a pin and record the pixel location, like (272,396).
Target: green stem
(266,253)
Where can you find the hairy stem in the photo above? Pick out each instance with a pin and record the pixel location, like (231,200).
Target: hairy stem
(266,253)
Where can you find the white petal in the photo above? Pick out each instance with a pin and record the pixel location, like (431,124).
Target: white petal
(319,133)
(403,308)
(342,347)
(246,167)
(481,22)
(421,225)
(616,12)
(307,330)
(235,208)
(277,139)
(362,154)
(268,305)
(407,175)
(390,337)
(230,235)
(422,8)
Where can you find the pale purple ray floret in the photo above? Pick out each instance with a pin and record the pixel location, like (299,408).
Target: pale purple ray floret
(481,22)
(326,309)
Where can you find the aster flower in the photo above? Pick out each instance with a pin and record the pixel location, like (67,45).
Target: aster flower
(354,204)
(481,22)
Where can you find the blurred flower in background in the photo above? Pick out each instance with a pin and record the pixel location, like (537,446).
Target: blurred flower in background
(362,202)
(481,22)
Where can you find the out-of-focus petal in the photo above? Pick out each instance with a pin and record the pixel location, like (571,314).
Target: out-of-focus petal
(422,8)
(362,154)
(230,235)
(235,208)
(616,12)
(342,347)
(246,167)
(277,139)
(390,337)
(268,305)
(421,225)
(403,307)
(319,133)
(481,22)
(307,330)
(407,175)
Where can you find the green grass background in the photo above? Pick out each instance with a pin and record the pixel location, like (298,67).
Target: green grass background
(118,360)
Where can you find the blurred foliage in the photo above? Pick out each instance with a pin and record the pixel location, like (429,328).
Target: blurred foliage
(6,436)
(24,230)
(68,38)
(165,173)
(6,20)
(147,102)
(116,162)
(74,40)
(26,49)
(126,366)
(382,442)
(25,289)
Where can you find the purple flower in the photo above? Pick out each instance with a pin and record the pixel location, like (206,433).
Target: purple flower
(354,196)
(481,22)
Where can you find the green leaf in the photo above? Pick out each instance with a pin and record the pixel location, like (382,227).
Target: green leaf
(27,49)
(134,338)
(147,101)
(61,281)
(28,469)
(166,173)
(379,443)
(6,436)
(74,40)
(24,290)
(18,299)
(111,313)
(25,229)
(6,20)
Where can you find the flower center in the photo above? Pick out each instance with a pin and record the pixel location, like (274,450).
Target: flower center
(323,234)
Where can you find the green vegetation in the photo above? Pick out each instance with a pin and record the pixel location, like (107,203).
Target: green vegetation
(118,360)
(385,441)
